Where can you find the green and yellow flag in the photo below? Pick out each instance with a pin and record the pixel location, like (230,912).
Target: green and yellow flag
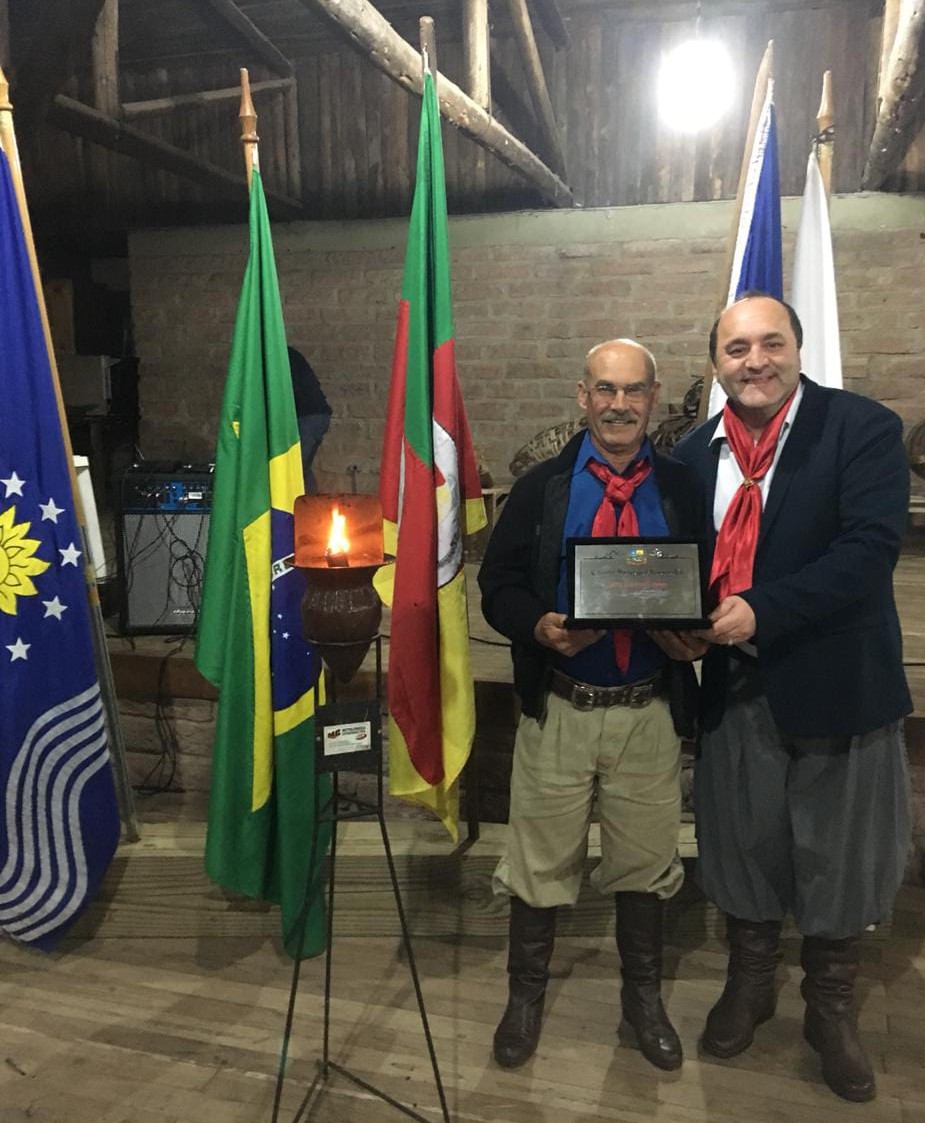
(250,641)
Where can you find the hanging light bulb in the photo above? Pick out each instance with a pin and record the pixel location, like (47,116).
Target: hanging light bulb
(696,84)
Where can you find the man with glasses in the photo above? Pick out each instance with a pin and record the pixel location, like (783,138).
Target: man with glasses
(602,711)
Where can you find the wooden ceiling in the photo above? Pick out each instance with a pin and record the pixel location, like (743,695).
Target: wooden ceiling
(91,69)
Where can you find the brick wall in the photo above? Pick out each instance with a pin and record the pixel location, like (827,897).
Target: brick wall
(532,292)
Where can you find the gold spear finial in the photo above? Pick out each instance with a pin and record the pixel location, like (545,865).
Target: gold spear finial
(248,119)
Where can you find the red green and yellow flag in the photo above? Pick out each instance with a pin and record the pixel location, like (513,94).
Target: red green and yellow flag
(431,498)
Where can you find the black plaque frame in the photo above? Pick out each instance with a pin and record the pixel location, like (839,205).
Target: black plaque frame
(577,618)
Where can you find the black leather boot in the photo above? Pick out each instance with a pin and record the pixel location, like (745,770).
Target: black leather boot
(749,997)
(532,936)
(639,941)
(830,1022)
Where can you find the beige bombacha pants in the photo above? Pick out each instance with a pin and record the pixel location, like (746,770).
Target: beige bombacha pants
(630,760)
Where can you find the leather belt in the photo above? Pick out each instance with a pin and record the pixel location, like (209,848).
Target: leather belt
(584,696)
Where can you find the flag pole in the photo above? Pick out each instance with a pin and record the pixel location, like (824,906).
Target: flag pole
(824,140)
(248,118)
(124,794)
(763,78)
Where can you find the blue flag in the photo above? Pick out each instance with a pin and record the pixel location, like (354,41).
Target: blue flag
(757,259)
(59,822)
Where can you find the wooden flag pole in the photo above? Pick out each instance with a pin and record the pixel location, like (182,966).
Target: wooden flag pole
(249,138)
(825,135)
(124,792)
(763,78)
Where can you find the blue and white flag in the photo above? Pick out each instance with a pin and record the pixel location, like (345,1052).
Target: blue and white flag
(59,822)
(813,292)
(757,260)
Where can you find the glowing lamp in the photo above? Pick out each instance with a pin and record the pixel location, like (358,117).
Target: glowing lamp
(338,545)
(696,85)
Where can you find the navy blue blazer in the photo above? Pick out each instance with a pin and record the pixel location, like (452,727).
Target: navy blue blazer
(828,634)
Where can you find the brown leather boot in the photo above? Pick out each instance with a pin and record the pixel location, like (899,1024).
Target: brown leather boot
(830,1022)
(639,940)
(749,997)
(532,936)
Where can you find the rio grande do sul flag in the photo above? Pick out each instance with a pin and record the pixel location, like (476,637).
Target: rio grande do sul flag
(431,498)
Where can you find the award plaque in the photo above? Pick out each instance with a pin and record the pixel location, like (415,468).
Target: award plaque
(635,583)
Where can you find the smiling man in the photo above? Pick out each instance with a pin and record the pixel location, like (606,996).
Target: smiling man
(801,788)
(601,711)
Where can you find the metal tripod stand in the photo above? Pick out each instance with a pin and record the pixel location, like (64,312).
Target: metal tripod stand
(337,809)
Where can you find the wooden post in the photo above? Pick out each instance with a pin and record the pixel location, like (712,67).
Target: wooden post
(124,793)
(902,86)
(536,82)
(887,38)
(104,53)
(762,80)
(476,66)
(825,135)
(368,30)
(476,52)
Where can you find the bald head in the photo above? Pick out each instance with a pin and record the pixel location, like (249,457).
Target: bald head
(617,393)
(613,351)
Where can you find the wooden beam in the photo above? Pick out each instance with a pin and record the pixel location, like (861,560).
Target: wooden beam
(477,70)
(904,86)
(888,26)
(476,52)
(508,101)
(252,35)
(536,81)
(79,119)
(374,37)
(551,19)
(58,33)
(104,56)
(132,110)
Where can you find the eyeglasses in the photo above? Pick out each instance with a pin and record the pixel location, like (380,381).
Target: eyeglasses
(607,391)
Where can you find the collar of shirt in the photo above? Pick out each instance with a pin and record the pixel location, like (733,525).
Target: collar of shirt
(729,475)
(587,452)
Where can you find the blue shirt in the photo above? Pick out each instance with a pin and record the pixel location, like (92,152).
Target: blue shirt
(596,664)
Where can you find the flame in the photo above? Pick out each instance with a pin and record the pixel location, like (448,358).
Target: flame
(337,540)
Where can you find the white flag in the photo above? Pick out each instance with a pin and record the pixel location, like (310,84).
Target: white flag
(813,290)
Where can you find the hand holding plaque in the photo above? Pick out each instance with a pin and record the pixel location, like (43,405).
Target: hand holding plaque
(635,583)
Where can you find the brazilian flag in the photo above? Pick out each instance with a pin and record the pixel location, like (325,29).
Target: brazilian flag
(250,641)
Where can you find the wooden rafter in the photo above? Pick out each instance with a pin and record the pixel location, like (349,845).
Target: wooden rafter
(902,88)
(375,38)
(132,110)
(536,81)
(551,19)
(252,35)
(81,120)
(61,32)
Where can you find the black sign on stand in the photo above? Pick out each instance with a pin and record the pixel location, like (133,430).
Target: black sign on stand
(348,736)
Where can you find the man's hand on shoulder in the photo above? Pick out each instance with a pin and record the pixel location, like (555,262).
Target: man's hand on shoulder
(733,622)
(550,632)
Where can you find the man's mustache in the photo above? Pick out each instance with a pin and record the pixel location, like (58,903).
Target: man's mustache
(616,415)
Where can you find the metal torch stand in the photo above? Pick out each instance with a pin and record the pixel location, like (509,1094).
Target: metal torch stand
(337,809)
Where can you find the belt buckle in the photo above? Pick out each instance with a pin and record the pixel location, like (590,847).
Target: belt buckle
(583,697)
(640,696)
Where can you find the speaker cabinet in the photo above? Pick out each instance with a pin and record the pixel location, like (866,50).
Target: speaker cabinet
(162,555)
